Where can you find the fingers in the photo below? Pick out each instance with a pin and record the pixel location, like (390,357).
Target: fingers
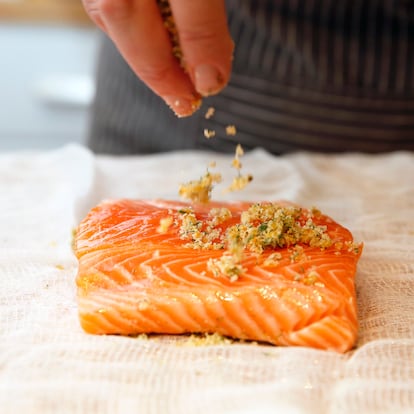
(137,30)
(205,42)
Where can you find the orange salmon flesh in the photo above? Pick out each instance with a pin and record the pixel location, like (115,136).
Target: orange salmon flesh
(137,276)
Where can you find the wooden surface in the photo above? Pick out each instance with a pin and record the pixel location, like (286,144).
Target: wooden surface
(43,11)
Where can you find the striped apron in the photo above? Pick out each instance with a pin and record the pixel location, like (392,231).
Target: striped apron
(315,75)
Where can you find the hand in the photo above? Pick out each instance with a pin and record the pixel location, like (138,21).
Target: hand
(138,31)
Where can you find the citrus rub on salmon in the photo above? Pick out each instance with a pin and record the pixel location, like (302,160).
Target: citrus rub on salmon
(160,267)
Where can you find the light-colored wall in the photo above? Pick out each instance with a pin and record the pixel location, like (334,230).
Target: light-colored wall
(46,84)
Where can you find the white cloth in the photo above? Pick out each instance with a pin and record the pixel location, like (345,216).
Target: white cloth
(49,365)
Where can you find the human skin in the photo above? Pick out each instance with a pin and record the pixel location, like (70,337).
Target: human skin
(138,31)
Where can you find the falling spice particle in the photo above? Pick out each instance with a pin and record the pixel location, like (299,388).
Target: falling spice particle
(236,160)
(199,190)
(231,130)
(240,181)
(208,133)
(209,113)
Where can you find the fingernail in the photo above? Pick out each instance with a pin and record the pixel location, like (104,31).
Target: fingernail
(208,80)
(183,107)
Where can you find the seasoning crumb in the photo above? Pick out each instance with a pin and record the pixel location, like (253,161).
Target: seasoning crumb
(219,215)
(196,103)
(165,224)
(169,24)
(209,133)
(236,160)
(353,247)
(200,190)
(74,233)
(315,212)
(311,278)
(239,150)
(231,130)
(273,259)
(240,181)
(297,254)
(210,112)
(269,225)
(199,234)
(206,340)
(235,163)
(228,265)
(262,226)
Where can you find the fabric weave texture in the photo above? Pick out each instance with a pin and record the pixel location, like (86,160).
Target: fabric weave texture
(49,365)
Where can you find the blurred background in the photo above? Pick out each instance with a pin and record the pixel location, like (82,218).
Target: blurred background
(48,51)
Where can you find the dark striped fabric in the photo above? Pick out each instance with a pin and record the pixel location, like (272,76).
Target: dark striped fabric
(316,75)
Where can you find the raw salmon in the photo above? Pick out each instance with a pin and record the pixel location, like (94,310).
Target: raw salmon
(166,267)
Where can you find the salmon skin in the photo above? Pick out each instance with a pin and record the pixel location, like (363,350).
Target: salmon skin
(156,266)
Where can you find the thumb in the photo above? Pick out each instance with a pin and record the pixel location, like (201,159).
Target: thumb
(205,43)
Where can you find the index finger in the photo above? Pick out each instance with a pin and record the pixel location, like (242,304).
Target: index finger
(138,31)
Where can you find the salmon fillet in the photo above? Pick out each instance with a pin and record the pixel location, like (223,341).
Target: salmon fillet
(166,267)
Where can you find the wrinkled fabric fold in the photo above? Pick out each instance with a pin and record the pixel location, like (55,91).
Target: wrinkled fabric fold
(48,364)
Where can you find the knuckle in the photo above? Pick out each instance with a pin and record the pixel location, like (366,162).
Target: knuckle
(116,9)
(91,7)
(155,75)
(212,39)
(195,35)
